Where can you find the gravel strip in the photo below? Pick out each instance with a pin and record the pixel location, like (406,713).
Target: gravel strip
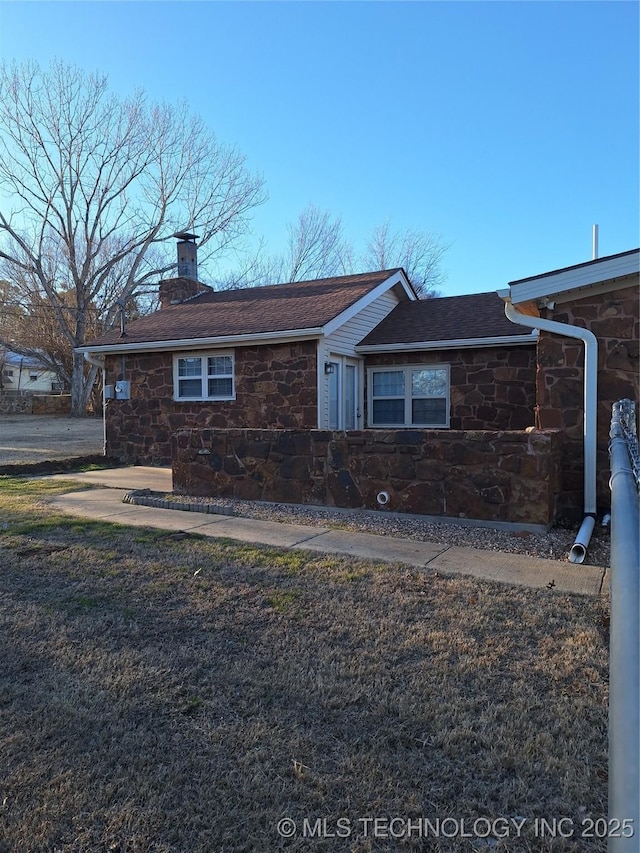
(553,545)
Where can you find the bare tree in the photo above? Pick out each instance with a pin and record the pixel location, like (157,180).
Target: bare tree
(419,253)
(95,183)
(3,361)
(30,327)
(315,248)
(10,307)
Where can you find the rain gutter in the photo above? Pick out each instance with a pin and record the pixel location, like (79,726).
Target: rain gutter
(285,336)
(452,343)
(579,548)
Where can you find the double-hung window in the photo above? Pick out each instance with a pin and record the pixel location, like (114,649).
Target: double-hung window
(411,396)
(203,376)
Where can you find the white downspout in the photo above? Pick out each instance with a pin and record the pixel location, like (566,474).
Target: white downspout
(579,549)
(99,361)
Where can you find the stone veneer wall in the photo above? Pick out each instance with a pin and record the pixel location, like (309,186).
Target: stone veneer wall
(15,403)
(492,475)
(614,319)
(28,403)
(51,404)
(491,387)
(275,388)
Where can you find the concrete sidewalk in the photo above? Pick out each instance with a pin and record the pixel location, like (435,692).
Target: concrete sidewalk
(132,477)
(105,504)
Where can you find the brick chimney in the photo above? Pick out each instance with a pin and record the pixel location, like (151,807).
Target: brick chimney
(173,291)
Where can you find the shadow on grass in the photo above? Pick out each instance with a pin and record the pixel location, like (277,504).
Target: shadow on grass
(92,462)
(170,693)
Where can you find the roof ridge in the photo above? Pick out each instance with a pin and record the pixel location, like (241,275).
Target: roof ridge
(332,278)
(463,295)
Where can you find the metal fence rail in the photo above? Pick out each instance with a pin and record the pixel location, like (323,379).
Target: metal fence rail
(624,644)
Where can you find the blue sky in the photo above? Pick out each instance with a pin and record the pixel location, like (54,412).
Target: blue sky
(507,127)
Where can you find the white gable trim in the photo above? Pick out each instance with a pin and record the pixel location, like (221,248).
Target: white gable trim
(398,278)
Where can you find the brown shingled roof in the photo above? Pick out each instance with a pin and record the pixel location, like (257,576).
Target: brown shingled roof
(477,315)
(250,311)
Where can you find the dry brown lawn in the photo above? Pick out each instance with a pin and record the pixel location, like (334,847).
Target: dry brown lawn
(165,692)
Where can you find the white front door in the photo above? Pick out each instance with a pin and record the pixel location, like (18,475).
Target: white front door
(344,394)
(351,408)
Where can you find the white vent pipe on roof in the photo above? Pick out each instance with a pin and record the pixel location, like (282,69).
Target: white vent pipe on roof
(594,242)
(579,548)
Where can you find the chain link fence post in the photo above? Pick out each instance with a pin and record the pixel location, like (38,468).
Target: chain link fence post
(624,643)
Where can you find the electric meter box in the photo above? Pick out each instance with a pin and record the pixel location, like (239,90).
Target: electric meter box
(122,390)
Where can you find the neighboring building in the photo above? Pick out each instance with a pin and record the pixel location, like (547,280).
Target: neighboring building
(26,373)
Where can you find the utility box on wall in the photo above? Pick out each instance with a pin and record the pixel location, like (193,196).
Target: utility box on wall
(109,393)
(122,390)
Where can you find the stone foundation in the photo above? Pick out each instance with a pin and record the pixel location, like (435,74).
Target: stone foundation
(487,475)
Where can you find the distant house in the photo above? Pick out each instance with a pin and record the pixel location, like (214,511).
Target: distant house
(362,356)
(26,373)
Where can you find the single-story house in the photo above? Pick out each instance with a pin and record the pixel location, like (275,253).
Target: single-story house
(346,389)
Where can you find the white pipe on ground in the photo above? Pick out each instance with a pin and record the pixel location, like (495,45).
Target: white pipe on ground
(579,549)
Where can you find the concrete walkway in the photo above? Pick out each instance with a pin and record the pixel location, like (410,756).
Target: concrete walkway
(105,504)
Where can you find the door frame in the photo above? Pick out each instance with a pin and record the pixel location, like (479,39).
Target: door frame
(340,364)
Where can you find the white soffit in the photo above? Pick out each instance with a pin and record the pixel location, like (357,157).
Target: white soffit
(575,278)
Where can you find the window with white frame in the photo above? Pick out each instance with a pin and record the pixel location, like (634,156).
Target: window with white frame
(411,396)
(203,376)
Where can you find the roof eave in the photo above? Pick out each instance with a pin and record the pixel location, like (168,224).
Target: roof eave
(200,343)
(459,343)
(575,278)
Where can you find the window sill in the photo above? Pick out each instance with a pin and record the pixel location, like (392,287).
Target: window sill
(203,399)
